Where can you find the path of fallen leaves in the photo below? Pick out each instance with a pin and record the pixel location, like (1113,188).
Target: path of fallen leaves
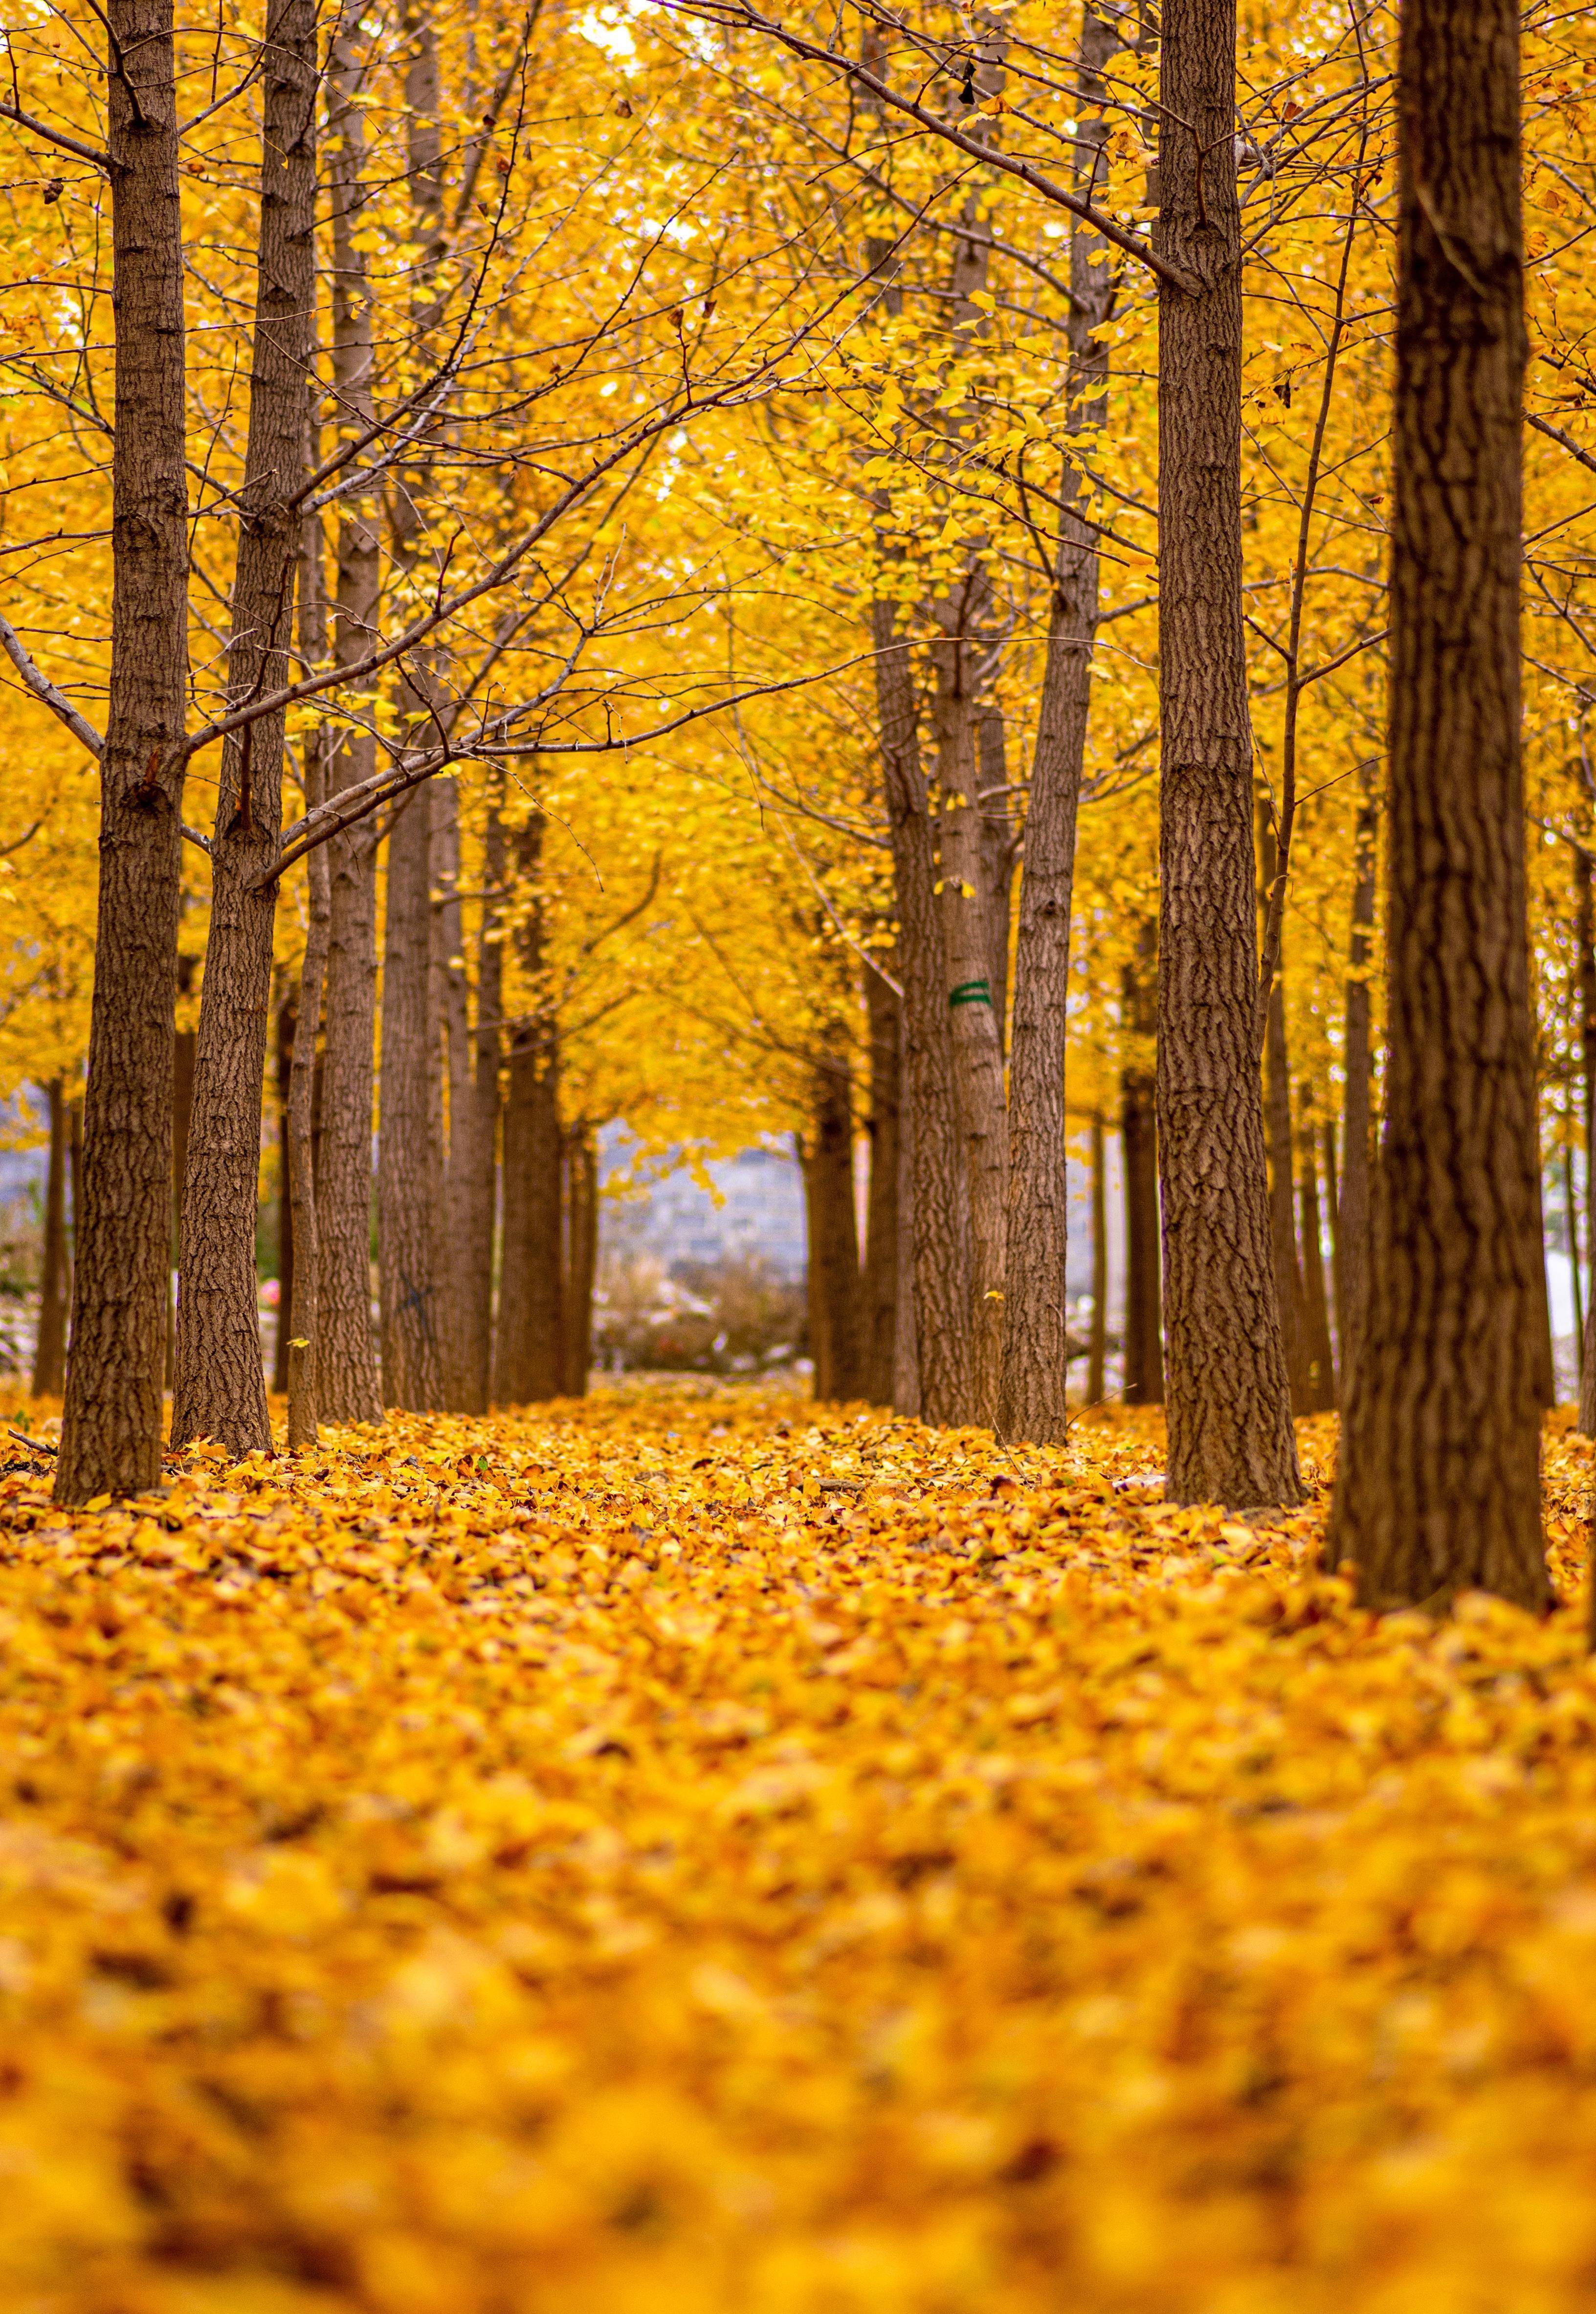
(676,1853)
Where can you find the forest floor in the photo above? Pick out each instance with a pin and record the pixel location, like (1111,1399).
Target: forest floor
(694,1851)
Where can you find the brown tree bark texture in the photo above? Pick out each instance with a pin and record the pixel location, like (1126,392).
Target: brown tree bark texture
(528,1365)
(479,1159)
(1437,1488)
(937,1186)
(836,1299)
(1230,1436)
(977,1051)
(49,1351)
(881,1217)
(1098,1344)
(302,1076)
(581,1260)
(451,999)
(1289,1294)
(407,1201)
(110,1431)
(220,1390)
(1351,1273)
(1321,1355)
(1585,955)
(1036,1362)
(1138,1160)
(348,1375)
(287,1025)
(409,1171)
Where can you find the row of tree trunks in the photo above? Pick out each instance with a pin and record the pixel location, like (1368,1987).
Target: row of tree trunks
(835,1281)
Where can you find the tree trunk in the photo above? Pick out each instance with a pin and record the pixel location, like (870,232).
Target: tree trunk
(49,1352)
(977,1052)
(905,1348)
(1571,1221)
(1143,1322)
(1289,1294)
(528,1360)
(287,1028)
(304,1074)
(183,1045)
(1035,1357)
(479,1156)
(1352,1280)
(836,1298)
(455,1299)
(1230,1437)
(220,1390)
(881,1224)
(1099,1333)
(999,840)
(1585,969)
(1321,1357)
(111,1431)
(1333,1212)
(937,1186)
(407,1194)
(347,1376)
(581,1260)
(1438,1485)
(410,1182)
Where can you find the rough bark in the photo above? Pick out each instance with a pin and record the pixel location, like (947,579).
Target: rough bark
(287,1029)
(836,1312)
(881,1218)
(183,1045)
(977,1052)
(111,1431)
(938,1188)
(1036,1358)
(905,1351)
(409,1185)
(1437,1488)
(49,1351)
(1351,1276)
(1585,968)
(1320,1353)
(451,1003)
(581,1260)
(1288,1292)
(528,1365)
(1143,1322)
(1230,1436)
(302,1075)
(348,1375)
(999,837)
(1098,1341)
(407,1195)
(220,1390)
(479,1158)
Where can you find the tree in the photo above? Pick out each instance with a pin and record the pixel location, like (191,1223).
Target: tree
(111,1431)
(1438,1487)
(1230,1437)
(220,1390)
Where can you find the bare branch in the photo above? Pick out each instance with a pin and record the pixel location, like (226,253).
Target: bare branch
(43,689)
